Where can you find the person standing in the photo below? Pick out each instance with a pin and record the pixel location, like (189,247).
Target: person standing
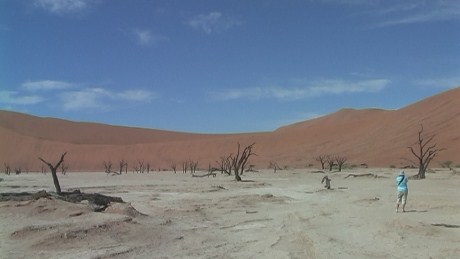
(403,191)
(327,182)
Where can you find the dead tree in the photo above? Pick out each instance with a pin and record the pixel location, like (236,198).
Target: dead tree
(275,166)
(53,172)
(322,159)
(424,151)
(108,167)
(193,166)
(251,168)
(141,166)
(184,167)
(225,164)
(240,160)
(447,164)
(220,164)
(64,168)
(7,168)
(330,162)
(174,167)
(123,164)
(340,161)
(228,164)
(17,170)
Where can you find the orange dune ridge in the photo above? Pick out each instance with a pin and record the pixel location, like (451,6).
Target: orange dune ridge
(378,138)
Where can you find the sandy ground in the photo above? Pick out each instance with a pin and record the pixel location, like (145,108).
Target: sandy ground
(284,215)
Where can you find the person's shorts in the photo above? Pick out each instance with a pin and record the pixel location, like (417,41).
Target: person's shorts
(402,196)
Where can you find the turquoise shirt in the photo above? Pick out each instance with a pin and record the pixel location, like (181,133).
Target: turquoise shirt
(403,186)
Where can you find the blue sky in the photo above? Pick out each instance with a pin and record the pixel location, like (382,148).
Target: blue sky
(223,66)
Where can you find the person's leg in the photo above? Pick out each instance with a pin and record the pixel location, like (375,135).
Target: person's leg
(398,200)
(404,199)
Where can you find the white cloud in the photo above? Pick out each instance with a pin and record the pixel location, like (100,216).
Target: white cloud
(448,82)
(213,22)
(99,98)
(61,7)
(84,99)
(136,95)
(146,37)
(312,89)
(45,85)
(411,12)
(71,96)
(350,2)
(15,98)
(340,86)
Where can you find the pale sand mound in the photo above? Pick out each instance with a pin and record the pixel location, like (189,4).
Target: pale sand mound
(283,215)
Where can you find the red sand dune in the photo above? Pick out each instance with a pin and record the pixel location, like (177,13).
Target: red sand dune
(371,136)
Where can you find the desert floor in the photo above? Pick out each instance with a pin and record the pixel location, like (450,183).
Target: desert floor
(284,215)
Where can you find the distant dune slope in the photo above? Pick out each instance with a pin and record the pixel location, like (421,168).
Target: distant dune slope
(371,136)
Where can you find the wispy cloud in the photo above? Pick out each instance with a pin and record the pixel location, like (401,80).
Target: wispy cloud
(45,85)
(100,98)
(147,38)
(135,95)
(447,82)
(410,12)
(16,98)
(350,2)
(91,98)
(72,96)
(341,86)
(62,7)
(214,22)
(311,89)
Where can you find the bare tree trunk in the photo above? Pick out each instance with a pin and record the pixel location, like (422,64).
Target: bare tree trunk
(122,164)
(340,160)
(64,168)
(184,167)
(53,172)
(141,166)
(7,168)
(108,167)
(321,159)
(425,152)
(330,162)
(275,166)
(193,166)
(239,161)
